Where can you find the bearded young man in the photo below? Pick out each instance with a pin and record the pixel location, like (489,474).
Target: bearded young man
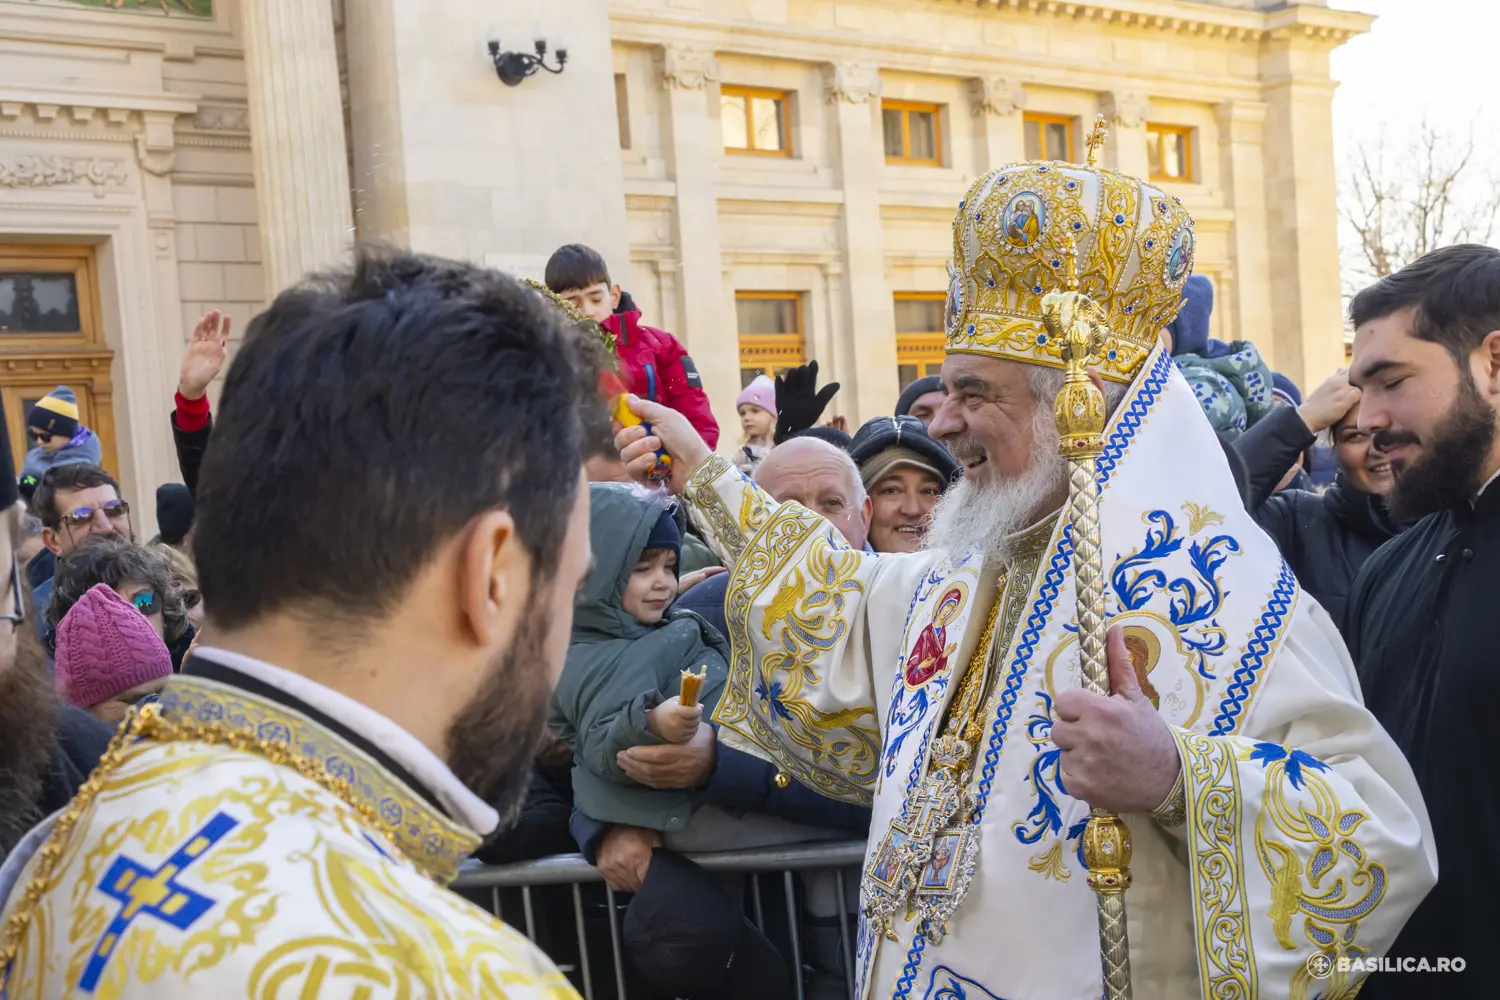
(1276,827)
(1424,616)
(391,528)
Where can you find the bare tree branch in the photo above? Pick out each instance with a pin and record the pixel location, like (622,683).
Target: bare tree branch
(1430,196)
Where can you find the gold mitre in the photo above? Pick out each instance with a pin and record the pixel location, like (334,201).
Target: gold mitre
(1012,239)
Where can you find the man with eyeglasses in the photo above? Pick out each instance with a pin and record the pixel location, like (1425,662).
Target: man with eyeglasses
(47,749)
(73,502)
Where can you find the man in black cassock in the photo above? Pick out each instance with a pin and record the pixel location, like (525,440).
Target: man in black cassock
(1424,616)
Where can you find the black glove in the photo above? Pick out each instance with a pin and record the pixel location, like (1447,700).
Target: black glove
(799,401)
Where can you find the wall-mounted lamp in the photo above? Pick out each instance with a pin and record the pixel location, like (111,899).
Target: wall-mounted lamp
(513,67)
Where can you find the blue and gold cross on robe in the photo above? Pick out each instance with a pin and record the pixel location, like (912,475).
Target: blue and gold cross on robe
(155,893)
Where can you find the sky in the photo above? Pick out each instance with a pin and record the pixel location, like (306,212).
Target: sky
(1423,58)
(1432,57)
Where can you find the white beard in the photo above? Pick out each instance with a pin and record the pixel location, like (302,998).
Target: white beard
(972,516)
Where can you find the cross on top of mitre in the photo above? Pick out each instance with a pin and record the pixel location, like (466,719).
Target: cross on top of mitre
(1096,140)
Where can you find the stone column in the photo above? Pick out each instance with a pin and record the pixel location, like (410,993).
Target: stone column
(1302,224)
(695,147)
(998,103)
(1242,158)
(870,338)
(1126,112)
(297,138)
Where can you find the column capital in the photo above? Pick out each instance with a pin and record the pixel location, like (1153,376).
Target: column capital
(684,67)
(996,95)
(1125,108)
(851,82)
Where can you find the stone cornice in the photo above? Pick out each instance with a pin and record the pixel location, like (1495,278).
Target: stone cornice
(1170,16)
(915,56)
(1243,28)
(84,104)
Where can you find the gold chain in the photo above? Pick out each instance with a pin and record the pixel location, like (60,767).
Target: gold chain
(963,720)
(147,723)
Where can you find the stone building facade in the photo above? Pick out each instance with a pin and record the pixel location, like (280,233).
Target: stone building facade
(773,180)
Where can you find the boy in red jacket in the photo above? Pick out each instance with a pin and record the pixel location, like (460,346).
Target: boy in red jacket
(654,365)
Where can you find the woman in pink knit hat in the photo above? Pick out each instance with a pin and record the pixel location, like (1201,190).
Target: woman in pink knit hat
(109,656)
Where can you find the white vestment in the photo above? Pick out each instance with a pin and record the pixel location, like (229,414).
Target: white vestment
(199,868)
(1305,839)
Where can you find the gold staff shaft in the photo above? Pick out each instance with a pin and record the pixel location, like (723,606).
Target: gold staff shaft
(1078,324)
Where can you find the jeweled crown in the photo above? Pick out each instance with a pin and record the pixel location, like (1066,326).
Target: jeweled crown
(1012,237)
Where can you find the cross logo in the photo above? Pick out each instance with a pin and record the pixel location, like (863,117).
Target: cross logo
(155,893)
(1320,965)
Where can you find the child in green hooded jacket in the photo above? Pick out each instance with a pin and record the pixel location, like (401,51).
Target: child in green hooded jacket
(619,686)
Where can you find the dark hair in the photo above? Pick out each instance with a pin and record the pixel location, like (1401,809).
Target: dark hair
(411,394)
(575,266)
(70,478)
(1461,304)
(112,560)
(1407,287)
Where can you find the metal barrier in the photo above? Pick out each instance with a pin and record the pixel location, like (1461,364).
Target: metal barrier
(838,857)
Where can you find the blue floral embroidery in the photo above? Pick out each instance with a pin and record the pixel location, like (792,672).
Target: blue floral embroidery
(1195,603)
(1296,760)
(1045,778)
(772,696)
(945,984)
(1046,773)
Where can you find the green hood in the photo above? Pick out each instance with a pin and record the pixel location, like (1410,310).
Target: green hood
(620,520)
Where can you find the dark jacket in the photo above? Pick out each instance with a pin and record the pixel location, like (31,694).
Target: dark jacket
(81,741)
(618,668)
(191,444)
(1326,538)
(655,366)
(39,574)
(542,829)
(1423,627)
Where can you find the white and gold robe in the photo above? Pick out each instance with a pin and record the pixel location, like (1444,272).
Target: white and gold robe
(1304,834)
(202,870)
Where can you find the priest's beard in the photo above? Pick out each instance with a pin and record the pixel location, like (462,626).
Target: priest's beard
(973,515)
(1446,472)
(28,730)
(492,742)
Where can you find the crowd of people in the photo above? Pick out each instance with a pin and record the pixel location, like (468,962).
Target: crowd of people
(413,486)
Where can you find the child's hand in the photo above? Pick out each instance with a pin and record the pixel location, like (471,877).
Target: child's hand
(673,721)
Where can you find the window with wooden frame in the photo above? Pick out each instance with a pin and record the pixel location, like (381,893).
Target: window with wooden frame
(1170,149)
(622,109)
(771,334)
(1049,137)
(51,334)
(920,340)
(756,121)
(913,133)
